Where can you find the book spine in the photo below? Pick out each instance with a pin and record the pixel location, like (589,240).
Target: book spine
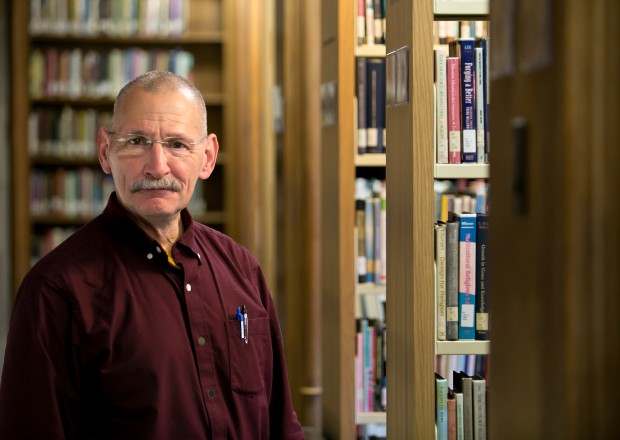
(441,407)
(376,105)
(440,282)
(452,281)
(467,275)
(482,306)
(454,109)
(479,408)
(441,106)
(362,121)
(480,107)
(370,22)
(360,220)
(451,415)
(361,22)
(468,101)
(460,433)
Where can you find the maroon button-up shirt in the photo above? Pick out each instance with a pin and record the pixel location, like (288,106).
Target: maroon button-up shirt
(109,341)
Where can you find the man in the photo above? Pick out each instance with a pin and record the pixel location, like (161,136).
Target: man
(145,324)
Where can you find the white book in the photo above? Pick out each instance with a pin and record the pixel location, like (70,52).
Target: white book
(441,114)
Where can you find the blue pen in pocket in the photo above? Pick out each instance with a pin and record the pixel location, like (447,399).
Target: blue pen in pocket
(242,324)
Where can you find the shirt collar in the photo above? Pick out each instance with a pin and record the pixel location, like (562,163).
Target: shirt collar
(115,217)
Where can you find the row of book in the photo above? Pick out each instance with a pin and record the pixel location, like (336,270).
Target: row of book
(461,410)
(371,104)
(460,195)
(76,73)
(65,132)
(370,229)
(472,364)
(370,354)
(78,192)
(461,270)
(462,102)
(370,23)
(446,31)
(109,17)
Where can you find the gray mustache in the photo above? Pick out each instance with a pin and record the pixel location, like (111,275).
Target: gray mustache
(163,183)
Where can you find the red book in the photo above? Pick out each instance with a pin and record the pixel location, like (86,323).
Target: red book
(454,110)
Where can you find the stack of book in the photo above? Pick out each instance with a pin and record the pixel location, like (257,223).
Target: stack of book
(109,17)
(370,355)
(87,73)
(69,192)
(462,102)
(370,23)
(370,230)
(461,410)
(461,267)
(371,104)
(65,133)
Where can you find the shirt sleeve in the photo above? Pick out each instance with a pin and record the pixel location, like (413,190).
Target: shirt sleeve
(39,392)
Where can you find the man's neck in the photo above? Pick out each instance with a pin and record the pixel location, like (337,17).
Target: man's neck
(166,231)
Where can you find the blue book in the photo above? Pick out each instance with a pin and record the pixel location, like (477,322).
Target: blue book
(484,104)
(362,125)
(441,407)
(375,107)
(467,274)
(464,49)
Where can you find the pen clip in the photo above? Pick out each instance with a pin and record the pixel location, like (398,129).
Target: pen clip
(244,310)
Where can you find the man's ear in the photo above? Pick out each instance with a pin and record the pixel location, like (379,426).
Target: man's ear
(103,146)
(211,151)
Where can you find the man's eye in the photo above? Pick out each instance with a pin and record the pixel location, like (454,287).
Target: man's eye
(178,145)
(137,141)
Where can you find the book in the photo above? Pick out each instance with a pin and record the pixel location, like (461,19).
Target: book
(480,107)
(361,22)
(440,279)
(378,21)
(482,266)
(360,227)
(370,22)
(375,107)
(451,402)
(454,108)
(452,283)
(483,44)
(467,274)
(463,48)
(362,121)
(458,397)
(479,407)
(441,407)
(441,116)
(463,383)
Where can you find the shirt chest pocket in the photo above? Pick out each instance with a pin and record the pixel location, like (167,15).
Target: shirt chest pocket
(251,361)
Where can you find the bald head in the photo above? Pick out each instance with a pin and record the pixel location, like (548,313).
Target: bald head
(163,82)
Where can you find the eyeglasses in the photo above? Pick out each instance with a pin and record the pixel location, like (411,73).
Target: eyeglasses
(132,144)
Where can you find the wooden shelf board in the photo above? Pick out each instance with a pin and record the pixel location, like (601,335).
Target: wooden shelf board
(370,160)
(462,8)
(463,347)
(364,418)
(370,50)
(461,171)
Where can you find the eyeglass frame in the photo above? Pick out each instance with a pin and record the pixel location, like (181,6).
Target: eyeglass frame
(120,137)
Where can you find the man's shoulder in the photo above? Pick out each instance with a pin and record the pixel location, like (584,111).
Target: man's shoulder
(220,243)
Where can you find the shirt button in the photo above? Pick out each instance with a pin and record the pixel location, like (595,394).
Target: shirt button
(158,249)
(188,287)
(201,341)
(212,394)
(199,256)
(149,256)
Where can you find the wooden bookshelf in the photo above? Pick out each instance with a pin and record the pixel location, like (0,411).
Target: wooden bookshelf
(205,38)
(410,171)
